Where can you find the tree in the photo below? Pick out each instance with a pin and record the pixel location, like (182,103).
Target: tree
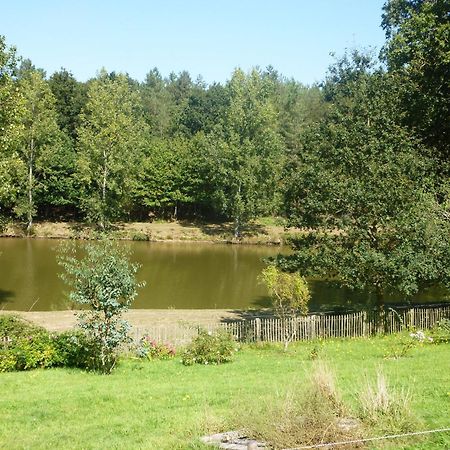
(167,177)
(104,280)
(70,98)
(40,136)
(110,140)
(416,50)
(290,296)
(245,153)
(12,104)
(363,186)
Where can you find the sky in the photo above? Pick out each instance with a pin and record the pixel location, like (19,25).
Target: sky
(206,37)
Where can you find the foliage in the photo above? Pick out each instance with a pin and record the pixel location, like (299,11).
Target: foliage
(208,347)
(289,291)
(76,349)
(244,151)
(25,346)
(104,280)
(151,349)
(290,296)
(416,51)
(110,139)
(440,333)
(40,137)
(364,184)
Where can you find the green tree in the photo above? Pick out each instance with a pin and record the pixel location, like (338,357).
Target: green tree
(365,188)
(168,176)
(70,98)
(110,140)
(290,296)
(104,281)
(417,51)
(39,138)
(12,105)
(245,151)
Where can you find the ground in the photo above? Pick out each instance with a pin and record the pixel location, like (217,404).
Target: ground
(263,231)
(165,405)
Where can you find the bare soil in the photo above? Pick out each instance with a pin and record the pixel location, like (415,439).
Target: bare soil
(140,318)
(255,233)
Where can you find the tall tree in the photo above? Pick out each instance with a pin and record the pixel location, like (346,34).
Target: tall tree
(245,151)
(362,184)
(110,139)
(417,51)
(40,136)
(70,99)
(12,104)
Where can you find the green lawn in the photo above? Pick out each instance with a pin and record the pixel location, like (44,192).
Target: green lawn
(164,405)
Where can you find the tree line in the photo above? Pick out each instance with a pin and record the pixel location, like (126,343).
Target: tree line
(362,158)
(113,148)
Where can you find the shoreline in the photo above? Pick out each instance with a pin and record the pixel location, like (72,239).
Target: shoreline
(180,231)
(140,318)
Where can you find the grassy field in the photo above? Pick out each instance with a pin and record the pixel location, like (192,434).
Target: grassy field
(165,405)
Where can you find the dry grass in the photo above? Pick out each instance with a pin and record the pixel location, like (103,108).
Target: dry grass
(309,413)
(386,409)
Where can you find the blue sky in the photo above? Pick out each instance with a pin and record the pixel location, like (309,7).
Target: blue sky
(210,38)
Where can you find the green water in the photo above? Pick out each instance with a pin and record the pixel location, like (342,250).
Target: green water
(177,275)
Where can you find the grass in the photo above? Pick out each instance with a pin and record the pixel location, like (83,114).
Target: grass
(165,405)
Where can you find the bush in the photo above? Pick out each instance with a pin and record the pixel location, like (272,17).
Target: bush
(209,348)
(150,349)
(30,352)
(441,332)
(13,327)
(25,346)
(104,280)
(75,349)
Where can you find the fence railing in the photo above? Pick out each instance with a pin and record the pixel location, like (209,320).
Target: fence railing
(313,326)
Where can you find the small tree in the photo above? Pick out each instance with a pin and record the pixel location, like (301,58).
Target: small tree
(290,296)
(103,280)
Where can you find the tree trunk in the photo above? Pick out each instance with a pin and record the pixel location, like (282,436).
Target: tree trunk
(30,188)
(380,312)
(105,176)
(237,228)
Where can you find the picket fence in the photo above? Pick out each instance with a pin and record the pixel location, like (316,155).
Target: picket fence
(313,326)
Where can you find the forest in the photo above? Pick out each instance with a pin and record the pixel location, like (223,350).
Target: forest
(363,158)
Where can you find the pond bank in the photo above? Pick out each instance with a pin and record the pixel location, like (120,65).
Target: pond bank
(177,231)
(139,318)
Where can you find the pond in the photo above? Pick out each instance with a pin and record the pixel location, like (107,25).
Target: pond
(178,275)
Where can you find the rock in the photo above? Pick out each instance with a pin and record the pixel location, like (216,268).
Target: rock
(232,440)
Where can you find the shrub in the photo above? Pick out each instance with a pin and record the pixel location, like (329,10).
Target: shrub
(290,296)
(29,352)
(104,280)
(25,346)
(150,349)
(441,331)
(13,327)
(75,349)
(209,347)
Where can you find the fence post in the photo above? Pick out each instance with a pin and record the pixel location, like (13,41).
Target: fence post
(258,329)
(364,324)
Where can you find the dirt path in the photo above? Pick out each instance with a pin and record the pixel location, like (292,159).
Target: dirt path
(141,318)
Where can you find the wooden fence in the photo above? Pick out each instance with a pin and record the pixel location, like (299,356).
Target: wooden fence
(313,326)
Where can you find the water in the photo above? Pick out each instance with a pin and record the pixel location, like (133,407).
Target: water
(177,275)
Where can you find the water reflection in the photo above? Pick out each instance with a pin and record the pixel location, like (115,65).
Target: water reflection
(177,275)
